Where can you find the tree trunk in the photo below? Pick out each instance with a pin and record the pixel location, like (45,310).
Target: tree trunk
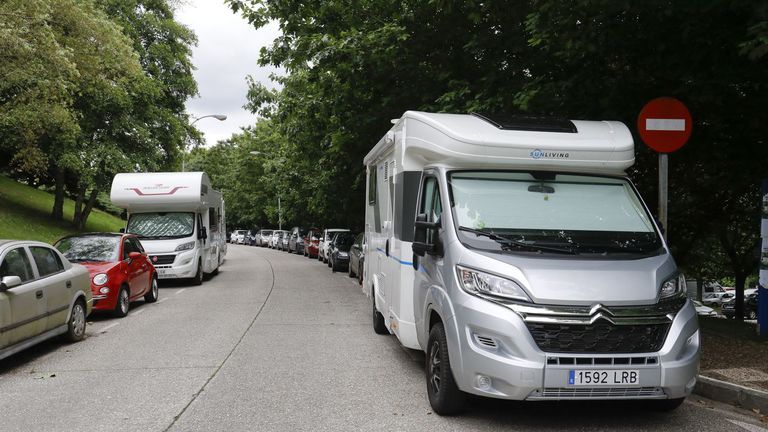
(78,206)
(88,208)
(699,288)
(58,201)
(741,278)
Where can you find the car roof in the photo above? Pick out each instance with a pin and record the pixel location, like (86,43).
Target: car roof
(11,243)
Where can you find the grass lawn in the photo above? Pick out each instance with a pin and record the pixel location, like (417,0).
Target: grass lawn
(25,215)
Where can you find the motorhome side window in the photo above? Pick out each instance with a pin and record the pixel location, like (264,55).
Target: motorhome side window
(372,185)
(213,219)
(430,200)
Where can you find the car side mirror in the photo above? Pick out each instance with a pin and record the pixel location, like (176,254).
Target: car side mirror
(420,244)
(9,282)
(122,230)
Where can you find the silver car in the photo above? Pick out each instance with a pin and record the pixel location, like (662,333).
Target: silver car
(42,295)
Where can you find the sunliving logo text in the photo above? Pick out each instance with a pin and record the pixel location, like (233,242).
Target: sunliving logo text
(539,154)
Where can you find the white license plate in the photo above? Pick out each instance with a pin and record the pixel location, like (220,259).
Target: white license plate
(599,377)
(165,273)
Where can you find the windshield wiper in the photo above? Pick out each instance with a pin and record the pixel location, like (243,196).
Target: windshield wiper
(517,243)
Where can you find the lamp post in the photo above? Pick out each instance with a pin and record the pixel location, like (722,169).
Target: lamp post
(279,207)
(219,117)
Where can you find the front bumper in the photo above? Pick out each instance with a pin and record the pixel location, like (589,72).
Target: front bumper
(496,356)
(183,266)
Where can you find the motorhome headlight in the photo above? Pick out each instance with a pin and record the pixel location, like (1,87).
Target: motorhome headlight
(673,287)
(477,282)
(185,246)
(100,279)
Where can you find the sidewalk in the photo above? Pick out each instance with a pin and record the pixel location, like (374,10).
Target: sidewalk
(734,364)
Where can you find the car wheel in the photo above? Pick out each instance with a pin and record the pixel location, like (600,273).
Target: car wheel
(666,405)
(752,315)
(198,279)
(349,270)
(76,324)
(360,274)
(218,263)
(153,293)
(333,266)
(378,319)
(444,396)
(123,303)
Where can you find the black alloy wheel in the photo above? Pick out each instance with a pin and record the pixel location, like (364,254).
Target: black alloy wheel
(444,395)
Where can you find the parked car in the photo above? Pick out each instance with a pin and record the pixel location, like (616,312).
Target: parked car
(325,241)
(296,240)
(712,293)
(357,257)
(238,236)
(702,310)
(42,295)
(282,241)
(750,305)
(277,239)
(262,239)
(121,271)
(272,242)
(338,252)
(250,238)
(312,242)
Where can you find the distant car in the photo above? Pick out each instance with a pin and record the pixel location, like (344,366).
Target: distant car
(250,238)
(282,241)
(312,242)
(296,240)
(322,249)
(702,310)
(262,238)
(120,270)
(238,236)
(357,257)
(750,305)
(42,295)
(338,253)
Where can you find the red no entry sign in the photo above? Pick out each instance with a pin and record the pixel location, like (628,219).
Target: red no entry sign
(664,124)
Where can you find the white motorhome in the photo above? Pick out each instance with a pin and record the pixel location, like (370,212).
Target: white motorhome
(179,218)
(520,258)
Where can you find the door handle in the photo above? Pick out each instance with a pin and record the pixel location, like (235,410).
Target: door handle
(69,284)
(39,294)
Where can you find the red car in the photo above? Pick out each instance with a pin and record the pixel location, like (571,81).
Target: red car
(312,242)
(120,269)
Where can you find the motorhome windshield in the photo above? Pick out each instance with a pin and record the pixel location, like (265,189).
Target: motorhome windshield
(162,225)
(550,213)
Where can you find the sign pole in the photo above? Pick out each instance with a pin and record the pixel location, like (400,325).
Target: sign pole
(663,191)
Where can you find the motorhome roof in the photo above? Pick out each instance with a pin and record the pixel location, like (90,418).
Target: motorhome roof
(464,140)
(163,191)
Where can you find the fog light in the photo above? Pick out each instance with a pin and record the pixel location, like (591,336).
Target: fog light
(483,382)
(104,290)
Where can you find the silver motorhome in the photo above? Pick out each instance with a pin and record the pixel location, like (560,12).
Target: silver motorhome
(518,256)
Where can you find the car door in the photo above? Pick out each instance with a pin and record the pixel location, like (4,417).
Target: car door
(26,303)
(137,269)
(55,284)
(430,266)
(144,270)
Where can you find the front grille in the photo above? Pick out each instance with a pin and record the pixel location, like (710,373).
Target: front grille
(598,393)
(599,337)
(162,259)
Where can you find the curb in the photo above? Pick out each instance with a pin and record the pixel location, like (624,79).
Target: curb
(730,393)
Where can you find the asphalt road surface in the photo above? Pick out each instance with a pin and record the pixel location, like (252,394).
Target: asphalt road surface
(275,342)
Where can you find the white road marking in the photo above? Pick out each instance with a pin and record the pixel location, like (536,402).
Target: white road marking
(665,124)
(179,291)
(137,312)
(748,426)
(109,327)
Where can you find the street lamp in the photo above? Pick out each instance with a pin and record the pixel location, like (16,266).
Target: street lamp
(219,117)
(279,208)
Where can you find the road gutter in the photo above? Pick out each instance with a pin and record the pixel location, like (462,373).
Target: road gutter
(732,394)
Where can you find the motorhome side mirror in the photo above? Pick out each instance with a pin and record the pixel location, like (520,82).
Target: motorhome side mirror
(203,233)
(420,248)
(122,230)
(9,282)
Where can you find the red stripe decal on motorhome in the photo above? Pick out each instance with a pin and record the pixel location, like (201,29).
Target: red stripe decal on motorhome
(171,192)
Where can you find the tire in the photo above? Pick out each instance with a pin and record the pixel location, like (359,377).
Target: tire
(360,273)
(333,266)
(198,278)
(349,270)
(76,323)
(123,303)
(154,292)
(218,264)
(666,405)
(444,396)
(378,319)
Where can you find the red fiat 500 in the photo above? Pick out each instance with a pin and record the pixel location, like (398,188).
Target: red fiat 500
(120,269)
(311,242)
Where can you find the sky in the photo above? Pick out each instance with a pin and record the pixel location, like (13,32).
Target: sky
(227,51)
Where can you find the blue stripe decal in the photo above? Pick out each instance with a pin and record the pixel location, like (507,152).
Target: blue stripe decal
(394,258)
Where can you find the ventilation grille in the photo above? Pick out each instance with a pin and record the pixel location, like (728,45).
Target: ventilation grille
(598,393)
(486,341)
(162,259)
(600,337)
(602,361)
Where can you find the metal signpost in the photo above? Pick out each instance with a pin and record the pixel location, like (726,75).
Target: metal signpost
(762,289)
(664,125)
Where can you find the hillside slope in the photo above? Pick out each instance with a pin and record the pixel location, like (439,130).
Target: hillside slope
(25,214)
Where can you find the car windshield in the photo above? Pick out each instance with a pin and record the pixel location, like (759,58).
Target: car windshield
(162,225)
(266,233)
(344,241)
(547,212)
(90,248)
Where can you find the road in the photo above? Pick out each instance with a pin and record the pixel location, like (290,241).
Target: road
(275,342)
